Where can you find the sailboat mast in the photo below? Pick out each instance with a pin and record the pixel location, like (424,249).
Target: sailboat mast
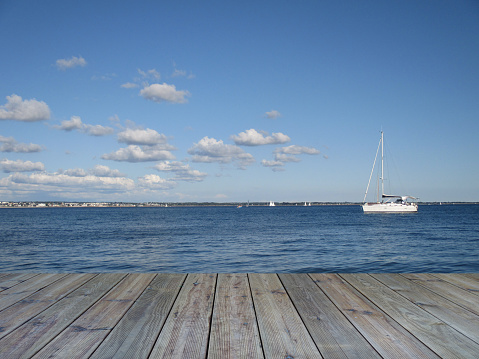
(382,164)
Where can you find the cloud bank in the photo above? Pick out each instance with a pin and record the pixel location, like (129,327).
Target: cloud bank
(144,145)
(182,171)
(21,166)
(98,182)
(211,150)
(288,154)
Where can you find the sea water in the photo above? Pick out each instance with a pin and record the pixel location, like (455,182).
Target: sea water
(224,239)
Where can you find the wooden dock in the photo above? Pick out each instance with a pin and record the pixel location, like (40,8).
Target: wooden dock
(284,316)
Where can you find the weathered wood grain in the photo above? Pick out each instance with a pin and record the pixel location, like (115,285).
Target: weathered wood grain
(136,333)
(22,290)
(439,337)
(459,296)
(27,308)
(11,279)
(333,334)
(30,337)
(209,316)
(282,331)
(462,281)
(234,331)
(474,276)
(454,315)
(388,338)
(185,333)
(83,336)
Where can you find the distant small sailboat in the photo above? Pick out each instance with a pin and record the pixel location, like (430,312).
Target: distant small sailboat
(387,203)
(272,204)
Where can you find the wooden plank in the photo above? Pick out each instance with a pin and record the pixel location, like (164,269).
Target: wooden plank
(12,279)
(457,317)
(459,280)
(474,276)
(84,335)
(27,308)
(185,333)
(136,333)
(234,332)
(388,338)
(439,337)
(29,338)
(393,316)
(333,334)
(24,289)
(282,331)
(464,298)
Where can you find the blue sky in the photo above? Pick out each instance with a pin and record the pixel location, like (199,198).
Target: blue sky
(237,101)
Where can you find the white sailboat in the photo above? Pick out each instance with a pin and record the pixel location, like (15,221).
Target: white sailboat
(387,203)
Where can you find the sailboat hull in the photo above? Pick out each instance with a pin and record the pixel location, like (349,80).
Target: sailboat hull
(389,207)
(389,203)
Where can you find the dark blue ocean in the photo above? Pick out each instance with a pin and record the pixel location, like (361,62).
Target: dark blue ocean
(250,239)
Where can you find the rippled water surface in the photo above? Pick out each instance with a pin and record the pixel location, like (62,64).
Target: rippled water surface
(250,239)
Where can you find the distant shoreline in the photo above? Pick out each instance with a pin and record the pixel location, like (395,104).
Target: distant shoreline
(55,204)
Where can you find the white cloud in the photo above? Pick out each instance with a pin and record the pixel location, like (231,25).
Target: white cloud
(155,182)
(9,144)
(285,158)
(182,73)
(273,114)
(266,163)
(254,138)
(138,136)
(276,166)
(24,110)
(287,154)
(75,123)
(105,171)
(143,145)
(97,171)
(99,183)
(65,179)
(150,74)
(21,166)
(144,77)
(297,150)
(210,150)
(134,153)
(74,172)
(129,85)
(63,64)
(164,92)
(97,130)
(182,171)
